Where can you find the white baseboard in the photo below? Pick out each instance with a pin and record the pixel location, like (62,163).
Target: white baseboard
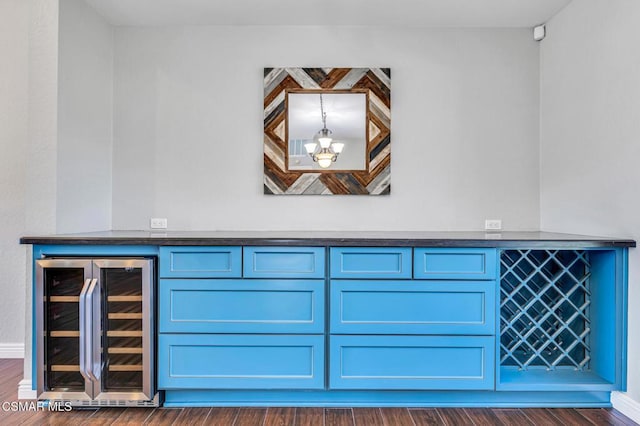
(11,350)
(16,351)
(627,406)
(25,391)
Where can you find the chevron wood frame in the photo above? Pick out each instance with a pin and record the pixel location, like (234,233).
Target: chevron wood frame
(376,179)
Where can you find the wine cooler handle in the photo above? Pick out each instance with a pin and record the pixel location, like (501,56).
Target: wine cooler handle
(96,301)
(85,329)
(93,323)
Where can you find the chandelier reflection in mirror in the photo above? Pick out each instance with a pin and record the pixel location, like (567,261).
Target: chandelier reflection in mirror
(325,151)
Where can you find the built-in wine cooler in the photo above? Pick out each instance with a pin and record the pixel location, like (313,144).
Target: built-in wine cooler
(95,331)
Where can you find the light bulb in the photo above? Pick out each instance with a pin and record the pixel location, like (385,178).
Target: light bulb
(324,159)
(337,147)
(325,141)
(324,137)
(310,147)
(324,162)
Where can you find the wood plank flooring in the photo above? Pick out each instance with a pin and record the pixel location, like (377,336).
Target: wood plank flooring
(11,374)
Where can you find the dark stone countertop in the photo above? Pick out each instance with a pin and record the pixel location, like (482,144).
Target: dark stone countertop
(507,239)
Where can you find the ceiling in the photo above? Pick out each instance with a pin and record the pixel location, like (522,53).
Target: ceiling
(414,13)
(346,115)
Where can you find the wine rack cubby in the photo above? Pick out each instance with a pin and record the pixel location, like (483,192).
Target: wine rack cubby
(561,320)
(544,309)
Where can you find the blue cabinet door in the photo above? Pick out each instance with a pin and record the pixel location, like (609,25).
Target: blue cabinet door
(241,306)
(455,263)
(412,362)
(412,307)
(371,262)
(218,361)
(284,262)
(200,262)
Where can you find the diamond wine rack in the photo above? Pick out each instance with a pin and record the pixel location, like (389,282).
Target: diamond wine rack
(544,309)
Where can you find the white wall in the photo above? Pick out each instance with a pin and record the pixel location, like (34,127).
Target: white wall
(188,127)
(28,93)
(40,170)
(14,62)
(590,134)
(85,119)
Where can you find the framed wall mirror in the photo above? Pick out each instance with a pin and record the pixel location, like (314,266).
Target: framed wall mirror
(327,131)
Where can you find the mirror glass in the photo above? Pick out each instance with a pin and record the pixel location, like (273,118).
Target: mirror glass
(346,122)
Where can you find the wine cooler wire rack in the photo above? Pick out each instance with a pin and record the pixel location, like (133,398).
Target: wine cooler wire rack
(544,309)
(131,330)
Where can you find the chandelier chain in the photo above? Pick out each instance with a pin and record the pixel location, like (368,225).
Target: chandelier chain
(324,114)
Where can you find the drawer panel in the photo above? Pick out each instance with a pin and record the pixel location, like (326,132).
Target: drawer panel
(284,262)
(468,263)
(200,262)
(383,262)
(412,362)
(412,307)
(207,361)
(241,306)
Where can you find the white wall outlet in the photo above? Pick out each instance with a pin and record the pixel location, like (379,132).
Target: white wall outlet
(158,223)
(493,224)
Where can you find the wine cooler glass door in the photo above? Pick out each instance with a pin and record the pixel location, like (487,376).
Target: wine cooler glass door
(62,334)
(122,355)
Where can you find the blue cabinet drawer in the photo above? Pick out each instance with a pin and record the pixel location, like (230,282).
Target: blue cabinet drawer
(200,262)
(412,307)
(210,361)
(412,362)
(461,264)
(241,306)
(378,262)
(283,262)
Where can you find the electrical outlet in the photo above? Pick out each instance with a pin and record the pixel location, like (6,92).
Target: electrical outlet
(493,224)
(158,223)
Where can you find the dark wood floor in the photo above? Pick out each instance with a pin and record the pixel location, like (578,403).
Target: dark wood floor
(11,374)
